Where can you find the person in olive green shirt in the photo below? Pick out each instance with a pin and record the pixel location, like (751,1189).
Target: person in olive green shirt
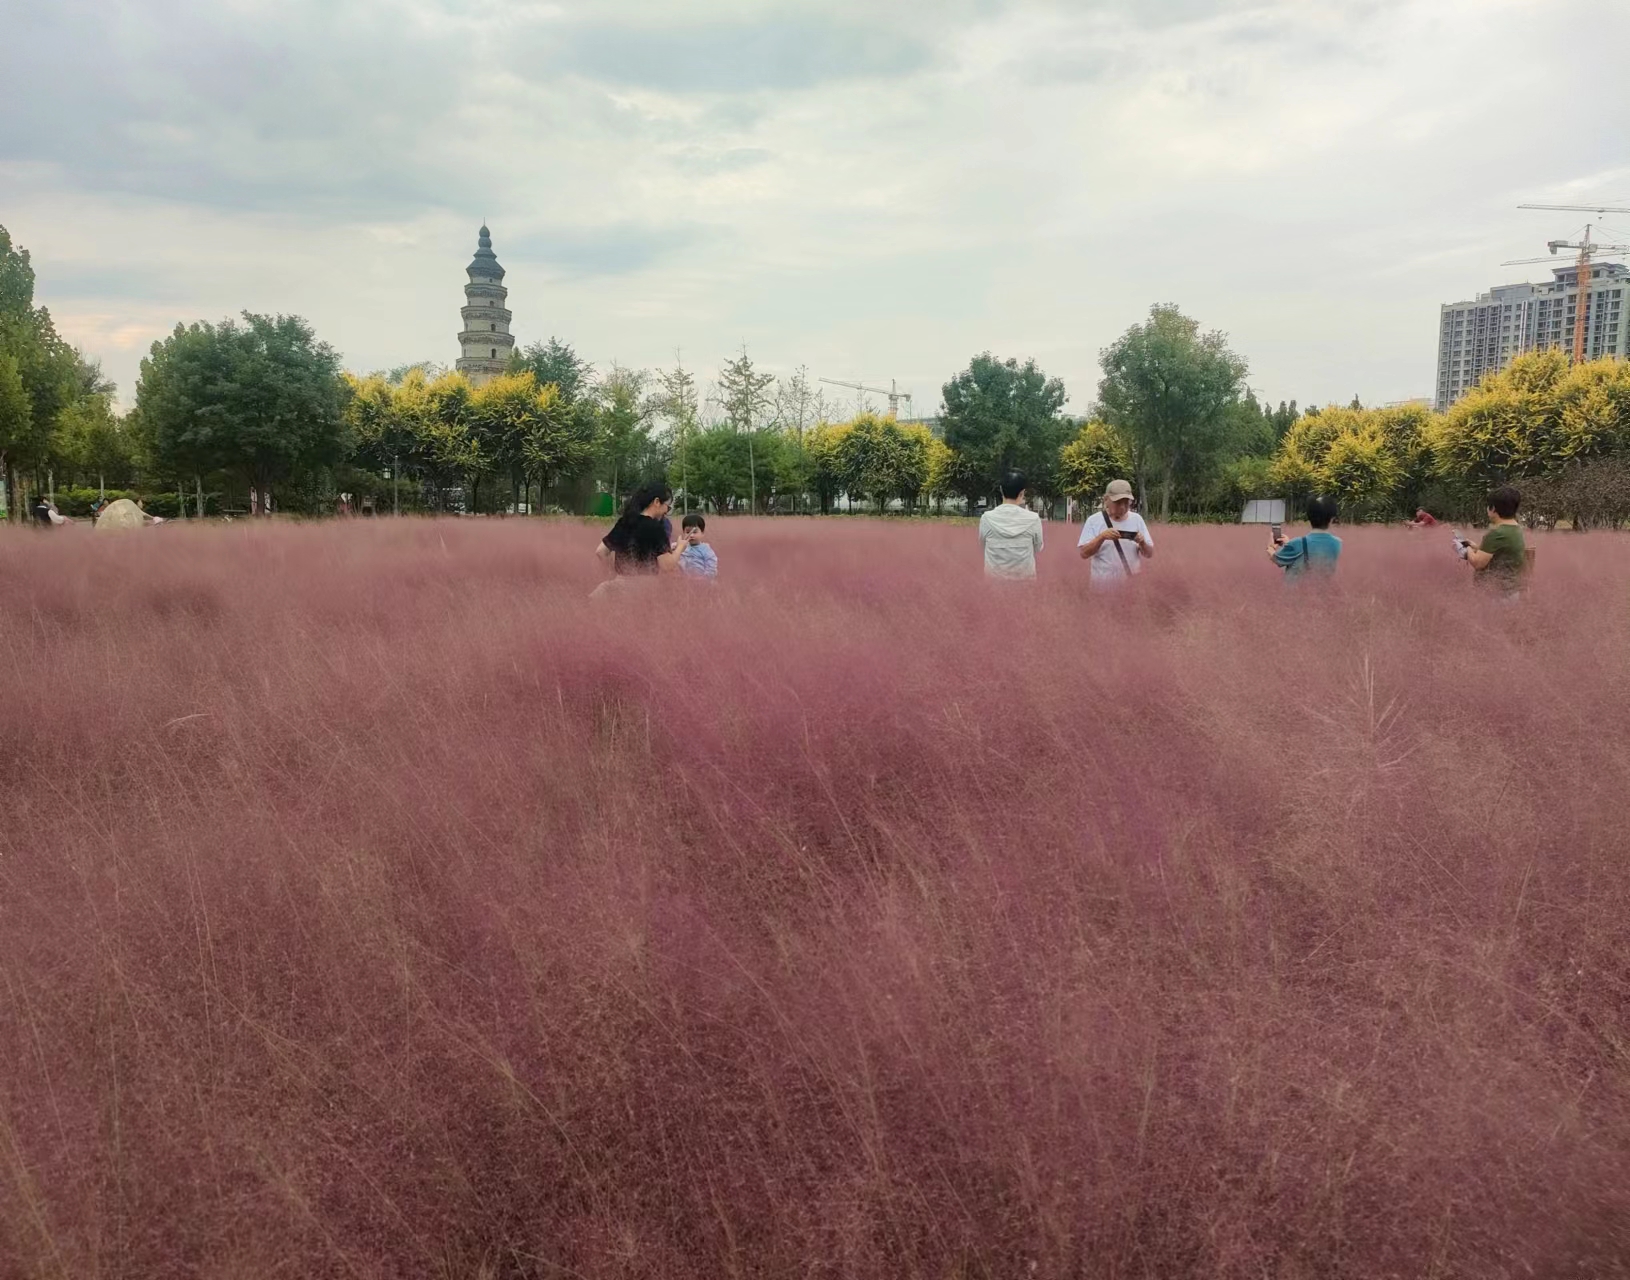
(1502,556)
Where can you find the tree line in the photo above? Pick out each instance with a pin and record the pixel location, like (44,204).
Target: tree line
(250,413)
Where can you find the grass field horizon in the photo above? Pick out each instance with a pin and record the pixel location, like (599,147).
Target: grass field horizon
(376,905)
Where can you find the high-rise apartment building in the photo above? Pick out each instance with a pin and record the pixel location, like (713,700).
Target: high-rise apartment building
(1482,337)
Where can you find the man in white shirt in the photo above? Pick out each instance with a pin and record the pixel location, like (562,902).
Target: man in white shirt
(1010,533)
(1115,538)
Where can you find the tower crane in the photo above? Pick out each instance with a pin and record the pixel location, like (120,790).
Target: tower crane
(1588,251)
(894,393)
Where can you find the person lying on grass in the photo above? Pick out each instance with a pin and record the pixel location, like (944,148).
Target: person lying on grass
(1314,552)
(637,544)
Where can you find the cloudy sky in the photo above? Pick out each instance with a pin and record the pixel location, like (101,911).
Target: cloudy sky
(873,188)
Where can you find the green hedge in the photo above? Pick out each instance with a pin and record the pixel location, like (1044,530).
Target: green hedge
(78,502)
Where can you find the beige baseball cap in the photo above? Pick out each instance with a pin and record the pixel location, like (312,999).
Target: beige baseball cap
(1118,491)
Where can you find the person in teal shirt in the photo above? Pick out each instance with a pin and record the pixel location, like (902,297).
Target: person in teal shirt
(1314,552)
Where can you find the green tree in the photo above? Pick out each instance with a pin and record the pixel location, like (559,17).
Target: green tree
(428,371)
(747,400)
(91,441)
(1097,455)
(676,401)
(799,404)
(745,394)
(262,399)
(45,365)
(15,415)
(623,429)
(555,361)
(796,469)
(999,415)
(1240,480)
(1169,388)
(879,459)
(1248,430)
(716,465)
(1282,419)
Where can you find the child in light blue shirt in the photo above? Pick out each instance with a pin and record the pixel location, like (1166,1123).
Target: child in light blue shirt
(696,558)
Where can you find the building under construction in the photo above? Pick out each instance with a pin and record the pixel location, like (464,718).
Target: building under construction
(1482,337)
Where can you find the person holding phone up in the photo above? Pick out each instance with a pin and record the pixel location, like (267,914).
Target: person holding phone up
(1115,538)
(1315,551)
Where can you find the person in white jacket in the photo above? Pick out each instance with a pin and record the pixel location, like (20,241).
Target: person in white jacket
(1011,533)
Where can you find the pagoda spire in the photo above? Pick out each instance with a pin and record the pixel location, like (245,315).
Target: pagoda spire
(484,340)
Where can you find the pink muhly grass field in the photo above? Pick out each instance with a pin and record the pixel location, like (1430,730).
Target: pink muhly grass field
(375,905)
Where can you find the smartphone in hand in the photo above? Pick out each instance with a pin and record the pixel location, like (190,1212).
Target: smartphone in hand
(1278,532)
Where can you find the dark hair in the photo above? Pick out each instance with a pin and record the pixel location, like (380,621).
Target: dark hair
(694,521)
(645,495)
(1321,511)
(1504,502)
(1013,484)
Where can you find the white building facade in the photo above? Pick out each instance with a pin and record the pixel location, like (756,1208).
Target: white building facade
(485,340)
(1483,336)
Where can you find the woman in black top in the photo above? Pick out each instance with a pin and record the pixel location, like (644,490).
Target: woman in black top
(638,543)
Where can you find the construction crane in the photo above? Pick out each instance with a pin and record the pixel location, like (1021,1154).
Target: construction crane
(894,393)
(1588,251)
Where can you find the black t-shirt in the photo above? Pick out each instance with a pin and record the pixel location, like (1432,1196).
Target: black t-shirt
(637,541)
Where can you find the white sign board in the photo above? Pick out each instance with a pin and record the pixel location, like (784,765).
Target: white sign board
(1263,511)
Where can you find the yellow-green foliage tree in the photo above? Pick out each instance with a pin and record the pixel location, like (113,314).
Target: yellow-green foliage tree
(531,432)
(942,477)
(1506,428)
(1562,433)
(1406,431)
(1536,420)
(823,444)
(1359,472)
(1097,454)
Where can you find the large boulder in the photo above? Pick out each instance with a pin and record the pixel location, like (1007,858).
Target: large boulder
(120,515)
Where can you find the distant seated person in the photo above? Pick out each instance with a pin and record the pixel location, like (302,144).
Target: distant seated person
(638,545)
(696,558)
(45,513)
(1314,552)
(1423,519)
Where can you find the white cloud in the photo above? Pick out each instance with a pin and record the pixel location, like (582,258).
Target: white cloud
(875,189)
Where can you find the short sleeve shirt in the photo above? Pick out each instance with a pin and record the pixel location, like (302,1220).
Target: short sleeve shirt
(1506,544)
(1108,566)
(637,542)
(1315,552)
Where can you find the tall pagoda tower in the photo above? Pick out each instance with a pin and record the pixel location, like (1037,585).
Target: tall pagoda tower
(485,339)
